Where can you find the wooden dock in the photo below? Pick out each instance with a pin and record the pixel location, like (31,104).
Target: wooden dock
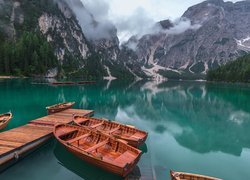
(18,142)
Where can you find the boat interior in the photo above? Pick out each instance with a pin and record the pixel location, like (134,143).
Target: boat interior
(98,145)
(189,176)
(3,119)
(110,127)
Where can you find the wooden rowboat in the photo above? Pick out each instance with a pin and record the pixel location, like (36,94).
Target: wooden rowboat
(4,119)
(63,83)
(132,135)
(188,176)
(59,107)
(98,149)
(72,83)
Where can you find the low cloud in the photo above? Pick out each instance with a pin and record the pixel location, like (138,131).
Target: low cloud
(140,24)
(92,18)
(179,26)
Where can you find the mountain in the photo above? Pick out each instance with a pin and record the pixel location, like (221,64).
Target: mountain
(59,24)
(218,32)
(207,35)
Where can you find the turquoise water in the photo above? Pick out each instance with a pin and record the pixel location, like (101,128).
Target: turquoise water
(195,127)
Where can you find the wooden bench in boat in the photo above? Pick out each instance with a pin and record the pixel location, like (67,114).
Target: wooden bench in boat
(61,136)
(115,129)
(85,120)
(96,125)
(78,138)
(124,158)
(97,146)
(3,120)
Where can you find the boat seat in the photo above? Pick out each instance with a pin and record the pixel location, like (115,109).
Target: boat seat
(78,138)
(115,129)
(124,158)
(96,125)
(137,135)
(97,146)
(85,120)
(67,133)
(3,120)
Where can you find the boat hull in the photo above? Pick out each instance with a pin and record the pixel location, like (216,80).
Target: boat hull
(120,159)
(104,165)
(58,109)
(8,118)
(183,175)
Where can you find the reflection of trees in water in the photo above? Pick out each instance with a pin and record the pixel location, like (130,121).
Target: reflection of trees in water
(207,114)
(209,121)
(210,117)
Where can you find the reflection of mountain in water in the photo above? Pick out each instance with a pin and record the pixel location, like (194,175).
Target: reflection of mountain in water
(202,117)
(209,118)
(209,122)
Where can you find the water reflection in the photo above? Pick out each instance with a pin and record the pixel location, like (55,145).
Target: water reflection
(191,125)
(217,118)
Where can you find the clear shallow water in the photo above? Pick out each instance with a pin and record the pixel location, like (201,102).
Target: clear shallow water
(194,127)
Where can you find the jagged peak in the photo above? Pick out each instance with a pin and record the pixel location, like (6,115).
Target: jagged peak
(166,24)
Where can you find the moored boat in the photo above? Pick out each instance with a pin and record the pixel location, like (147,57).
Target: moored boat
(185,176)
(4,119)
(62,83)
(98,149)
(59,107)
(132,135)
(72,83)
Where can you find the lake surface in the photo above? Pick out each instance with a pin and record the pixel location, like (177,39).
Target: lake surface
(193,126)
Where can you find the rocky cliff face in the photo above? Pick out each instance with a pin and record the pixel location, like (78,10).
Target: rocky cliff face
(219,32)
(60,24)
(63,31)
(207,35)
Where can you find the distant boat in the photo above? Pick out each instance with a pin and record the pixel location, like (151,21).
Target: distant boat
(184,176)
(59,107)
(98,149)
(72,83)
(62,83)
(132,135)
(4,119)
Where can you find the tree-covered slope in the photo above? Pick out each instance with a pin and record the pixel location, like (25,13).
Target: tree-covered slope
(235,71)
(29,55)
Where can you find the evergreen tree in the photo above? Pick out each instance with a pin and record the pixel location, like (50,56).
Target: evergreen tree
(235,71)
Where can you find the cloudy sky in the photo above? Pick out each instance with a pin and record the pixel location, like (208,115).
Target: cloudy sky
(134,16)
